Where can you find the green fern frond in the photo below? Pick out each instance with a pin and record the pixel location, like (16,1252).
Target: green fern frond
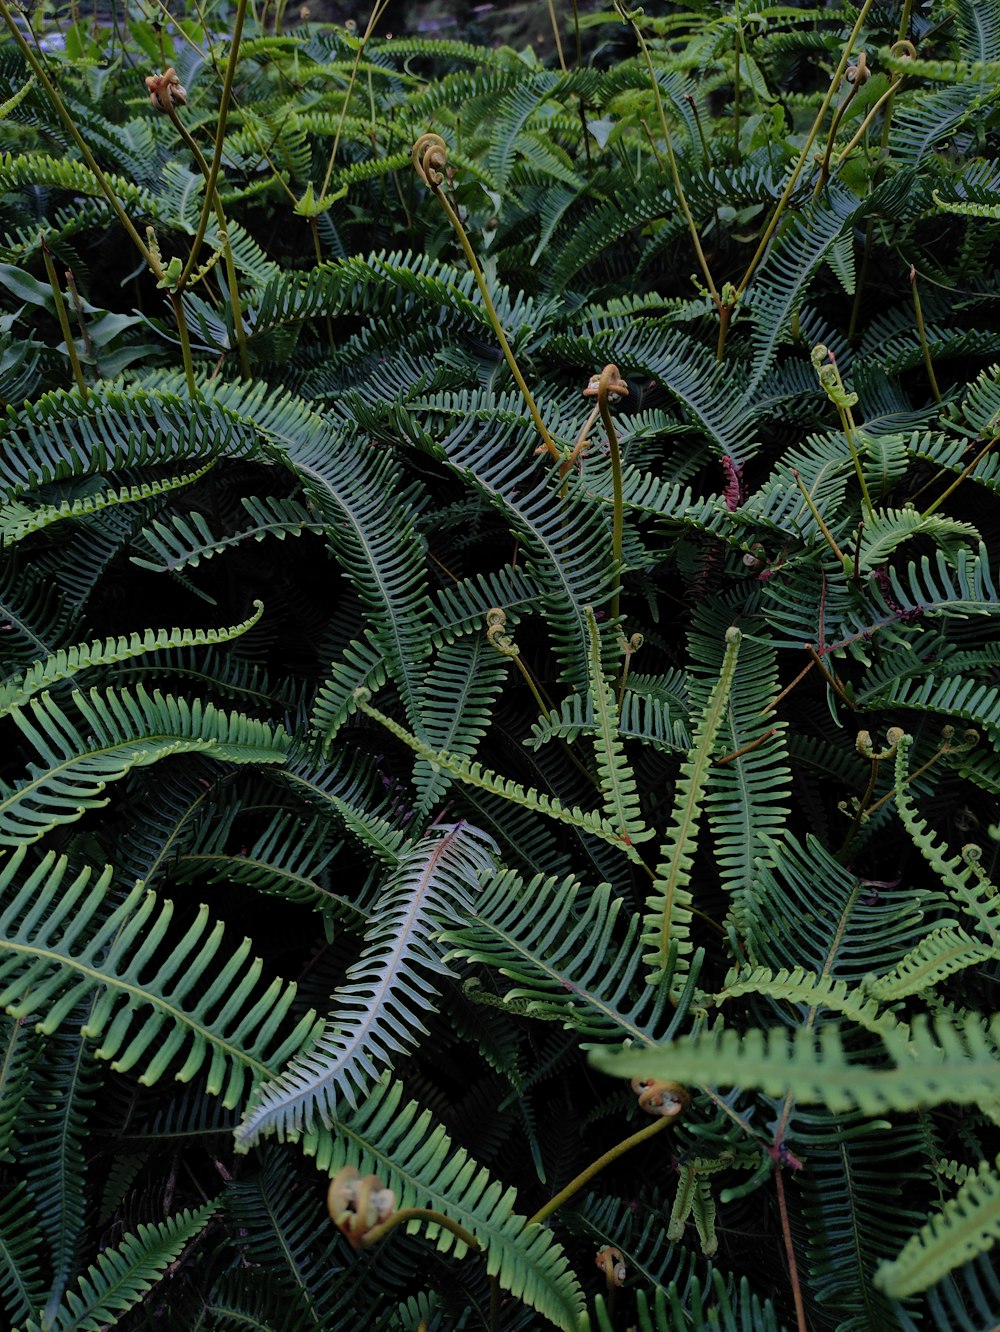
(477,776)
(62,435)
(21,1289)
(953,1061)
(106,735)
(69,662)
(557,943)
(59,943)
(376,1013)
(186,539)
(960,873)
(122,1275)
(414,1157)
(810,990)
(17,523)
(459,694)
(945,951)
(669,905)
(618,786)
(62,1099)
(967,1225)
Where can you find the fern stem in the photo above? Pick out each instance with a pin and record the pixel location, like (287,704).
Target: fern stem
(674,173)
(848,426)
(889,93)
(182,331)
(427,1214)
(924,348)
(859,813)
(611,382)
(829,677)
(786,194)
(819,520)
(378,10)
(211,179)
(787,689)
(793,1271)
(227,249)
(838,115)
(38,69)
(967,471)
(63,317)
(555,34)
(430,157)
(608,1158)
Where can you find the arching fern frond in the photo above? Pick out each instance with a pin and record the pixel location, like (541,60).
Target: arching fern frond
(967,1225)
(105,735)
(122,1275)
(415,1158)
(376,1012)
(955,1060)
(59,942)
(70,662)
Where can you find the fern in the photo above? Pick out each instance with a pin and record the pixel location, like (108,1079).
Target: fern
(377,1007)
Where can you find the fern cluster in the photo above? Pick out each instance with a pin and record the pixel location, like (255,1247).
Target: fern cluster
(499,671)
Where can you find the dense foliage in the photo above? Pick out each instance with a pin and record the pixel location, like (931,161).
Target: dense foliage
(525,731)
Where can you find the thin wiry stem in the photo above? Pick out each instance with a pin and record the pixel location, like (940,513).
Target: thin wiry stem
(63,316)
(211,179)
(804,156)
(430,157)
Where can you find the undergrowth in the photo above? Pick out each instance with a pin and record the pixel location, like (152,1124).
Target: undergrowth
(500,671)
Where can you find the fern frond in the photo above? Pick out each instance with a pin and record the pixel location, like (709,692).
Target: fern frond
(558,944)
(618,787)
(186,539)
(415,1158)
(375,1017)
(967,1225)
(478,776)
(17,522)
(669,905)
(21,1289)
(59,943)
(811,990)
(953,1061)
(122,1275)
(70,662)
(103,737)
(941,954)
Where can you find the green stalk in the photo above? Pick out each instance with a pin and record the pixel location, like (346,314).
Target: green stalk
(595,1168)
(610,382)
(430,157)
(220,133)
(182,330)
(377,12)
(420,1214)
(63,316)
(925,349)
(227,250)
